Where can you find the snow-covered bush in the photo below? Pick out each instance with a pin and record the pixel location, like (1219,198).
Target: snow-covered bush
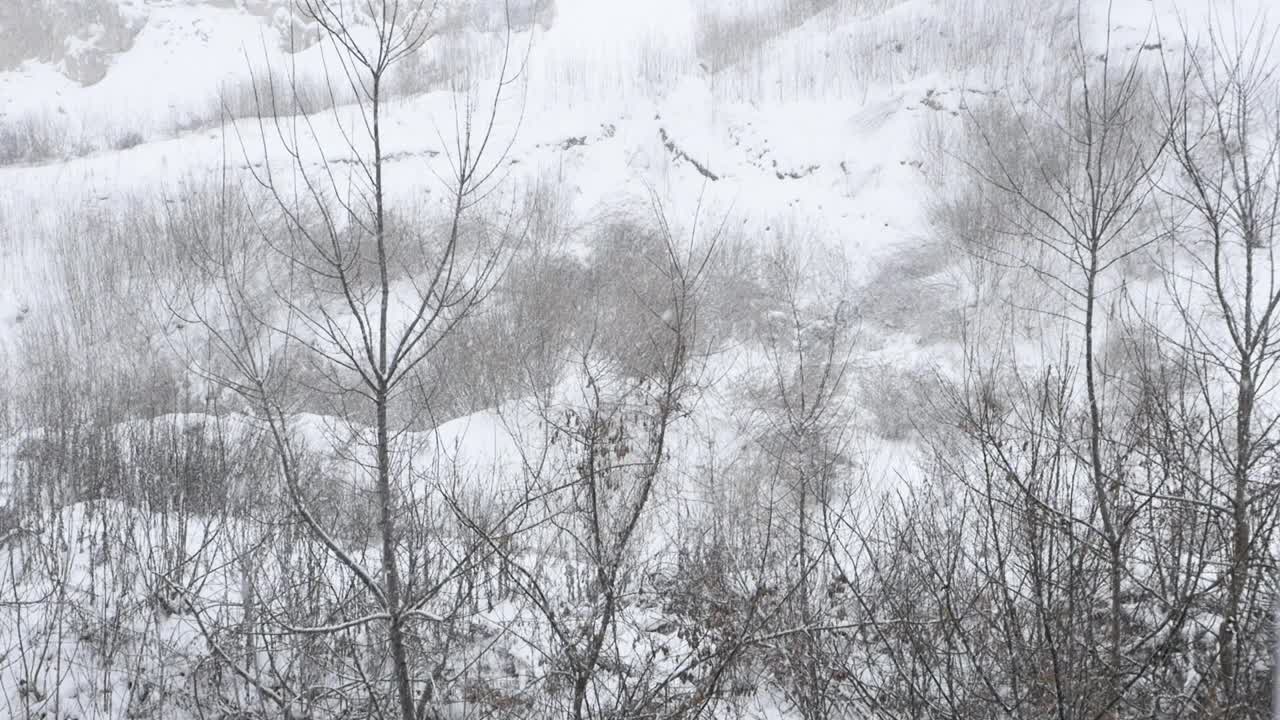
(26,138)
(896,399)
(39,136)
(911,293)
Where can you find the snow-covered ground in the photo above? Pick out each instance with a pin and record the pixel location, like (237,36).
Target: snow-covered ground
(814,131)
(816,143)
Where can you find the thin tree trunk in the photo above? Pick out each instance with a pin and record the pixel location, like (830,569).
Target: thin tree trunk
(1239,565)
(386,519)
(1106,493)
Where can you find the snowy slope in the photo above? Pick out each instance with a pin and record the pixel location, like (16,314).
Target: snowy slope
(613,102)
(811,134)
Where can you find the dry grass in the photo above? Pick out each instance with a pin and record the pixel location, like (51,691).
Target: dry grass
(727,33)
(94,274)
(35,137)
(991,41)
(39,136)
(277,92)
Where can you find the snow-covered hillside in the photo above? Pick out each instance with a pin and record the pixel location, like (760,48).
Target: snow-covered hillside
(813,123)
(819,144)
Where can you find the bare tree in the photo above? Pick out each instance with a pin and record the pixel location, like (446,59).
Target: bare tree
(1040,564)
(1079,193)
(805,438)
(1221,277)
(324,301)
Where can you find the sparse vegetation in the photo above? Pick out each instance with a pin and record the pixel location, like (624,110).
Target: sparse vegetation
(30,137)
(127,140)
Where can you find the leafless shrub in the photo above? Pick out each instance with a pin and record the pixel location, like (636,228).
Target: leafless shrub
(39,136)
(127,139)
(163,465)
(262,94)
(896,397)
(736,306)
(30,137)
(912,293)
